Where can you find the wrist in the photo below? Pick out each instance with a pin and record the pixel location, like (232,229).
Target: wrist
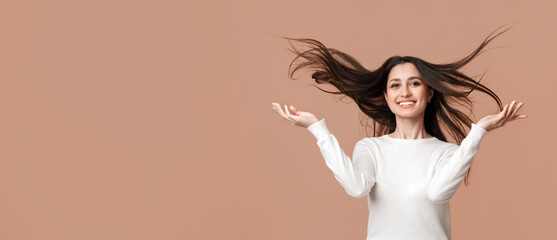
(483,126)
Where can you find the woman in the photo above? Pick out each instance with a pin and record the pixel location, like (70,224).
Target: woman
(408,170)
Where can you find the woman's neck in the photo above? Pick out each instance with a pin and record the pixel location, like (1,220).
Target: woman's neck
(410,128)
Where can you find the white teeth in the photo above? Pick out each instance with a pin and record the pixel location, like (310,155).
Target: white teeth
(406,103)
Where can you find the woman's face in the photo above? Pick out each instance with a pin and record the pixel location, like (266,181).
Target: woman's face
(407,94)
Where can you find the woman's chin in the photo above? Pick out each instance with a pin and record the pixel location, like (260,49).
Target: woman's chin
(408,115)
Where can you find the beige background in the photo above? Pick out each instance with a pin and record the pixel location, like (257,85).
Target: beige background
(152,119)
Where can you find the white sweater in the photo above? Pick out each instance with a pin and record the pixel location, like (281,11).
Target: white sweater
(408,182)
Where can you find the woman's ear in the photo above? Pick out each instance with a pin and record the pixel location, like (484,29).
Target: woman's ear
(430,95)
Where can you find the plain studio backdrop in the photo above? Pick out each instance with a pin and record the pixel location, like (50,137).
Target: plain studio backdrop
(152,119)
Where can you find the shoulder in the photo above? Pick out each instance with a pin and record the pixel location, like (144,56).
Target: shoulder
(371,143)
(446,147)
(364,142)
(444,144)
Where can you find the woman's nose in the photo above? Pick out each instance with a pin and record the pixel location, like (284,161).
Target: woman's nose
(405,92)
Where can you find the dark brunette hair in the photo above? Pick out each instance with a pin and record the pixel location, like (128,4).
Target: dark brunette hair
(450,86)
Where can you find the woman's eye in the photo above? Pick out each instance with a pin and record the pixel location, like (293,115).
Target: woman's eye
(416,84)
(394,85)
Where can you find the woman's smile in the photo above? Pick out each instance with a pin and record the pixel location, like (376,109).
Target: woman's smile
(406,104)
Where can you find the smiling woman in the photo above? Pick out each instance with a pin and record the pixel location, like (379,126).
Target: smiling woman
(411,102)
(369,91)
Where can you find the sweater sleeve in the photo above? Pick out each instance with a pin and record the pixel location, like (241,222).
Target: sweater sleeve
(357,177)
(452,168)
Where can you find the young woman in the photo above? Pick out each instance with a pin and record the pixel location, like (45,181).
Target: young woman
(408,170)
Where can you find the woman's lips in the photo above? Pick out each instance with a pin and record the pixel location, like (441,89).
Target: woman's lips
(406,104)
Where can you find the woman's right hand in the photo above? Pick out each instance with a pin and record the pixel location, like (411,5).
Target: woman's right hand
(295,117)
(509,113)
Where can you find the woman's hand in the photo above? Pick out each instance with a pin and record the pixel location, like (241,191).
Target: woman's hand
(498,120)
(298,118)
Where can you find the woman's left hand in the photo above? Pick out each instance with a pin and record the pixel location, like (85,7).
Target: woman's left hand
(498,120)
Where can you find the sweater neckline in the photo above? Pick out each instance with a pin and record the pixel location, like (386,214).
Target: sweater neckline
(403,140)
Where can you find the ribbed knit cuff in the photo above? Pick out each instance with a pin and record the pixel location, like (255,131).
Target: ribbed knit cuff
(319,129)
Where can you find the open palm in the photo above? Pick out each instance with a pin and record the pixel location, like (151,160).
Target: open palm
(509,113)
(294,116)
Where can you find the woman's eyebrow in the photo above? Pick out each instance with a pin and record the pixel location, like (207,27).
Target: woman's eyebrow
(410,78)
(415,77)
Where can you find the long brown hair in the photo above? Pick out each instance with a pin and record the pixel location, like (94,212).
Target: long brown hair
(450,86)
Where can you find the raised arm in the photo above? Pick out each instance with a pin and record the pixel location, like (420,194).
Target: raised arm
(452,168)
(357,176)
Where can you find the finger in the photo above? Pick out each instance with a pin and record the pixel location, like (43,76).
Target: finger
(292,117)
(282,114)
(509,111)
(278,109)
(511,107)
(286,111)
(502,111)
(294,110)
(288,114)
(293,114)
(512,111)
(522,116)
(502,114)
(516,109)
